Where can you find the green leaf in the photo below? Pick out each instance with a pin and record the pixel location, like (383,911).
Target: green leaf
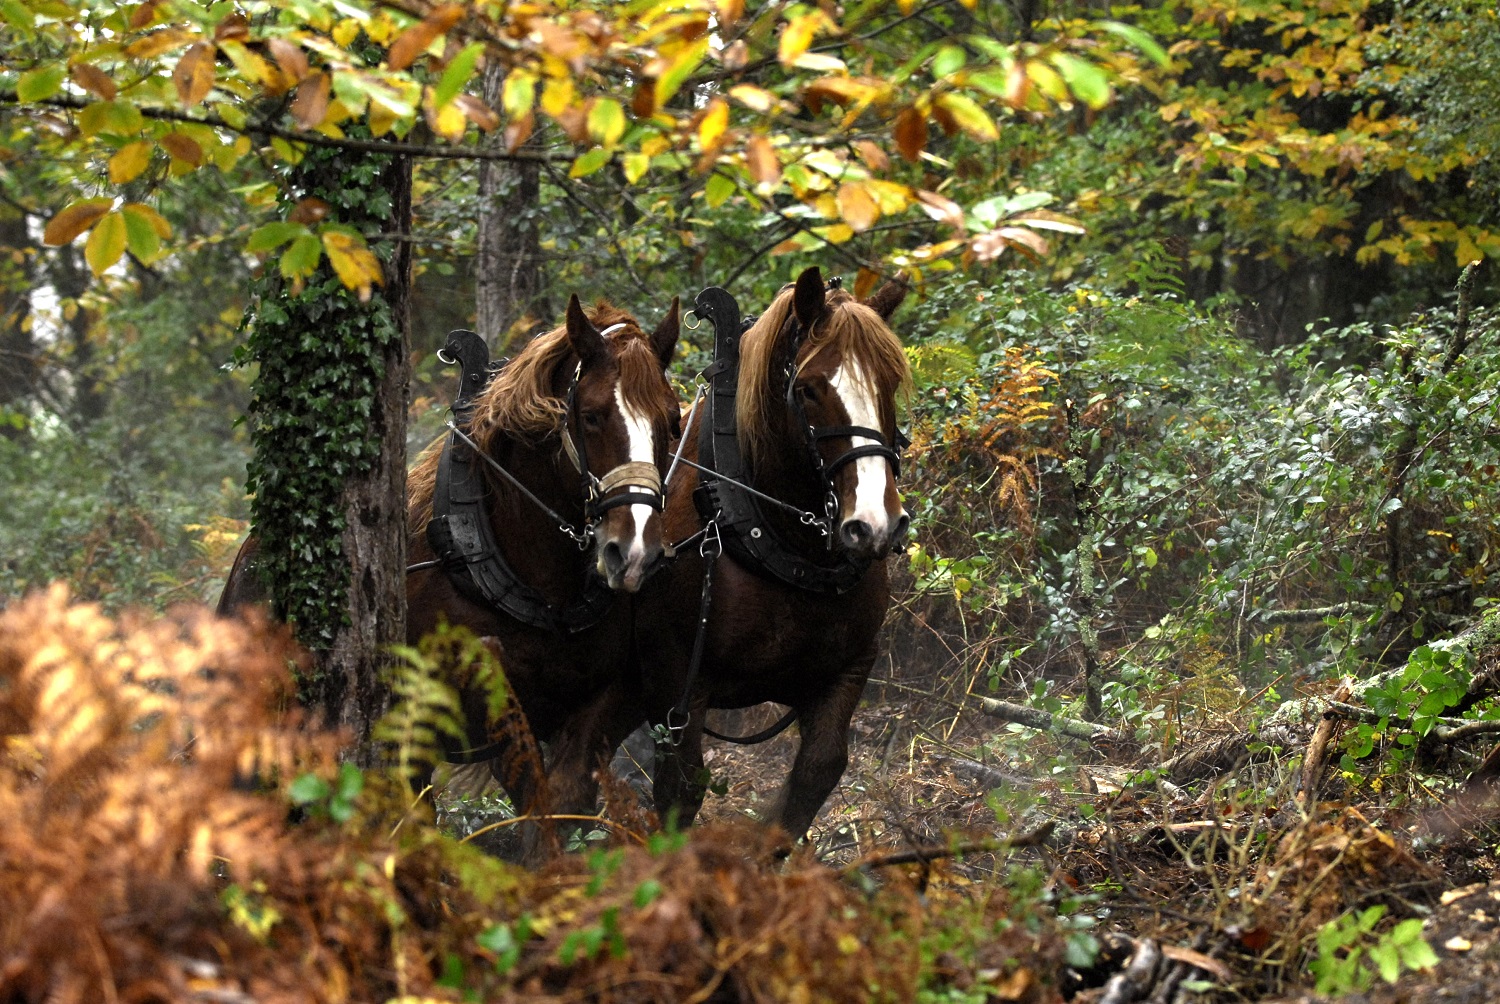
(302,257)
(589,163)
(607,121)
(307,789)
(681,67)
(16,14)
(1138,38)
(949,60)
(636,165)
(117,117)
(970,117)
(718,190)
(519,93)
(41,83)
(459,71)
(272,235)
(141,237)
(1087,81)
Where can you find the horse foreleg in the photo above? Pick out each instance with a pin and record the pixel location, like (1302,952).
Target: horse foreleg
(584,745)
(822,755)
(519,769)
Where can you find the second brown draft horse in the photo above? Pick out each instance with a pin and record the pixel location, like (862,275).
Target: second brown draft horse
(794,604)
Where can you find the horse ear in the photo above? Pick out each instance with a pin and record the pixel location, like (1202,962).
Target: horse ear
(809,300)
(887,298)
(664,338)
(583,336)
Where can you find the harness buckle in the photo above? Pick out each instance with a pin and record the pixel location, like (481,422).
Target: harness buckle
(712,544)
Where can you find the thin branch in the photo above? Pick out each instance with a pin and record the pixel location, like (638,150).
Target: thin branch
(427,150)
(922,855)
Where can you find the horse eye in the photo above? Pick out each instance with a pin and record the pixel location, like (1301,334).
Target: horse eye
(593,421)
(808,393)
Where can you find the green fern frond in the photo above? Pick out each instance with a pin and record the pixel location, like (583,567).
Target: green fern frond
(940,362)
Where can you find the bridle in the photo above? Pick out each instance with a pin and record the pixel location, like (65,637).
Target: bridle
(890,451)
(641,480)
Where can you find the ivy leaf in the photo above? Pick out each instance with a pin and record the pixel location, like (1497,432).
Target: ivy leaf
(74,220)
(106,243)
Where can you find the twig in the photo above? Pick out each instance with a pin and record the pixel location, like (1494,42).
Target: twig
(919,855)
(552,816)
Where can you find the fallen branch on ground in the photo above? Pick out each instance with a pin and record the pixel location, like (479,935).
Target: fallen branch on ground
(1073,728)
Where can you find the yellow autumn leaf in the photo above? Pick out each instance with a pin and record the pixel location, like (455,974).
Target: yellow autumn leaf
(355,263)
(715,121)
(106,243)
(797,36)
(129,161)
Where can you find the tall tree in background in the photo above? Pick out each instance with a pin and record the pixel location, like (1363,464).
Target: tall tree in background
(507,262)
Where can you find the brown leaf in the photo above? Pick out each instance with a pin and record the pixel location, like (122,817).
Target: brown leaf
(643,101)
(865,283)
(194,75)
(736,56)
(945,119)
(291,59)
(874,157)
(415,40)
(857,207)
(235,27)
(1017,85)
(730,11)
(74,220)
(1198,960)
(182,147)
(575,123)
(942,209)
(311,102)
(478,112)
(144,14)
(308,210)
(910,133)
(761,159)
(95,81)
(518,131)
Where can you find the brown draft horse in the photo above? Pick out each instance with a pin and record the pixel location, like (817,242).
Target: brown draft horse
(595,391)
(767,640)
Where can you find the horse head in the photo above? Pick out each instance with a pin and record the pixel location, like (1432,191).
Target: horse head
(620,415)
(839,369)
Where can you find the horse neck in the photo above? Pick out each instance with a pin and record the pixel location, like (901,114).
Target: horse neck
(540,554)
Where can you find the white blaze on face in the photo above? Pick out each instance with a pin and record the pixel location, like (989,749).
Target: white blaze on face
(638,428)
(857,394)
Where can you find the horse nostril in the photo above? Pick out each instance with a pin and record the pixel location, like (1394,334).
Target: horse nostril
(855,533)
(614,559)
(898,535)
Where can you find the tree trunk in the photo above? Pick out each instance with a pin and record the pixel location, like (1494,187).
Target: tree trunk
(19,371)
(507,268)
(329,429)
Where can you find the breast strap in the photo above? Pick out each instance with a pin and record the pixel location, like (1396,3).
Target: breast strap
(460,532)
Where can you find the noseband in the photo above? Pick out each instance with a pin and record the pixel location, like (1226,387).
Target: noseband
(642,480)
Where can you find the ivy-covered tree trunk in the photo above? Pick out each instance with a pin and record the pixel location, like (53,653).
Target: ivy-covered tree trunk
(328,423)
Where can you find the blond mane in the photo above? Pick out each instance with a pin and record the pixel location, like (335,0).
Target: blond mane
(848,327)
(519,402)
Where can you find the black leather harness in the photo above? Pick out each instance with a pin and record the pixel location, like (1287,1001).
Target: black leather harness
(460,532)
(722,495)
